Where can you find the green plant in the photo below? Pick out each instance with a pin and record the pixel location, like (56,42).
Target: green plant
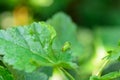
(42,52)
(113,56)
(29,48)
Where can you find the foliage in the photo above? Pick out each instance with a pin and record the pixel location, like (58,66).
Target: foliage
(30,47)
(44,50)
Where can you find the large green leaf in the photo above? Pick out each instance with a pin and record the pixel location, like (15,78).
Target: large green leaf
(29,47)
(4,74)
(66,31)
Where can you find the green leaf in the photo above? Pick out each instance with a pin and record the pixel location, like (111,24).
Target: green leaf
(29,47)
(4,74)
(111,75)
(66,31)
(26,48)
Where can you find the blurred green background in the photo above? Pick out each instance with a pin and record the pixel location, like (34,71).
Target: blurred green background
(86,13)
(97,22)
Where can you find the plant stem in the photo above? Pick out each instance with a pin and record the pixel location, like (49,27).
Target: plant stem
(68,74)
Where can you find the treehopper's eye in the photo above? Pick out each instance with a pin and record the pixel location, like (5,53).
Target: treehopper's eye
(66,46)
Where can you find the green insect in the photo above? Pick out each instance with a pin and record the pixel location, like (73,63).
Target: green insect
(66,46)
